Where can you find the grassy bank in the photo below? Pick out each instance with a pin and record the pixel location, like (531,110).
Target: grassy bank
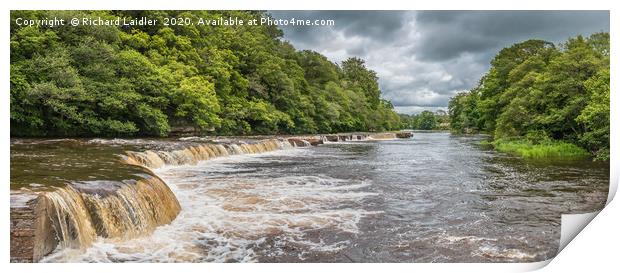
(546,149)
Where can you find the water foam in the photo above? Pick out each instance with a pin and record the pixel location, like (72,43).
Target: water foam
(231,215)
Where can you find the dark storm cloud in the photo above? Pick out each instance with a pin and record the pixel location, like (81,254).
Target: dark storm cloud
(373,24)
(424,58)
(446,34)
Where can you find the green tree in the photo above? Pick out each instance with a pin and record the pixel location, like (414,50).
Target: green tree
(427,120)
(158,80)
(595,115)
(540,92)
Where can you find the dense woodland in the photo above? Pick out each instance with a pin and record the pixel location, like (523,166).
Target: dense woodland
(154,80)
(426,120)
(538,92)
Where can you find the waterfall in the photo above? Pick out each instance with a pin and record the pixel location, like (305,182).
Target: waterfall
(80,213)
(134,209)
(357,137)
(74,215)
(70,218)
(193,154)
(382,136)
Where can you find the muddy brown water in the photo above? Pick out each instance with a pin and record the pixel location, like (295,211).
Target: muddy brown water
(432,198)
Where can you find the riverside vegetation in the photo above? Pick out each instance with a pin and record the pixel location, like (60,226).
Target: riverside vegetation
(426,120)
(541,100)
(537,99)
(153,80)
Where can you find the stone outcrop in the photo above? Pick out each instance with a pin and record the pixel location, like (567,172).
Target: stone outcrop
(305,141)
(32,234)
(365,136)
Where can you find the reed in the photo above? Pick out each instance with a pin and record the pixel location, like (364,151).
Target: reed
(546,149)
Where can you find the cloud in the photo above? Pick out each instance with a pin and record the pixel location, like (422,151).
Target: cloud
(447,34)
(423,58)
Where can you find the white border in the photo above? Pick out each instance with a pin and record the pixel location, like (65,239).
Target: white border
(596,248)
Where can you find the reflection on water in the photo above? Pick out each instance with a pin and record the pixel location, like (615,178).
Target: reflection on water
(39,164)
(433,198)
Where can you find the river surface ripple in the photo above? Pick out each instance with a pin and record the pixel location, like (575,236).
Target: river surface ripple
(432,198)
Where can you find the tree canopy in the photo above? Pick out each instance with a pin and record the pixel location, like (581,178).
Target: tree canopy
(154,80)
(426,120)
(538,90)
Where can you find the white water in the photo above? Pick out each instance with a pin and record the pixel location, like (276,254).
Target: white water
(441,199)
(229,212)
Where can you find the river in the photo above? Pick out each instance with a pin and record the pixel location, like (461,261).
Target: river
(431,198)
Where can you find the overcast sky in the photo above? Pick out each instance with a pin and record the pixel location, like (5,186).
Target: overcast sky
(423,58)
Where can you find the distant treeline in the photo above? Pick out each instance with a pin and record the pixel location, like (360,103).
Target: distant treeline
(538,92)
(151,80)
(426,120)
